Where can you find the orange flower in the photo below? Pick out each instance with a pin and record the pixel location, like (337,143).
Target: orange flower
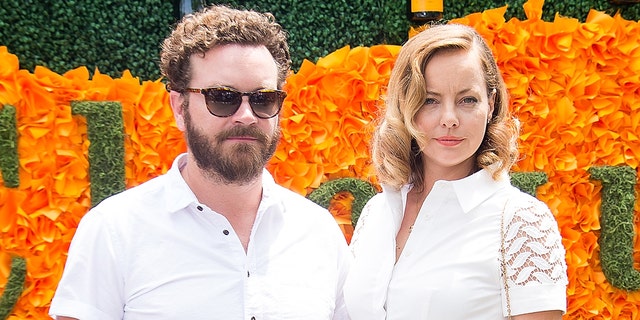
(573,86)
(329,106)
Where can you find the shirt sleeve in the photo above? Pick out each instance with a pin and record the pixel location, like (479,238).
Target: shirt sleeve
(366,286)
(362,221)
(534,257)
(91,285)
(345,259)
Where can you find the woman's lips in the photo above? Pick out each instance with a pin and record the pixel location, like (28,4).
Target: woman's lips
(449,141)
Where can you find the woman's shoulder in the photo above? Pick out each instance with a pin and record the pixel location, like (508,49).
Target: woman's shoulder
(517,199)
(527,217)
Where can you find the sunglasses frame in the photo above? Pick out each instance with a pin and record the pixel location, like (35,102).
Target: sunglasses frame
(280,96)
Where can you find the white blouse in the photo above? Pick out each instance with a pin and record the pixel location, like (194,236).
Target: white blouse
(450,267)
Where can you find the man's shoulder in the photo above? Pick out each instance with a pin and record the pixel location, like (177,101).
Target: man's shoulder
(291,198)
(150,191)
(295,204)
(133,207)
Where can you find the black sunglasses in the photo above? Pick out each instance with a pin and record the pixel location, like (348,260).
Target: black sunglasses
(224,102)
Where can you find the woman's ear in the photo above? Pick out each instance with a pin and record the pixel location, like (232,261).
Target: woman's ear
(176,99)
(492,103)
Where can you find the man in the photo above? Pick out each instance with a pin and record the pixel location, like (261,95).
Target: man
(215,237)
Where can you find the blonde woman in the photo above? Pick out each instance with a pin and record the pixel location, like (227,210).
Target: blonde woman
(449,237)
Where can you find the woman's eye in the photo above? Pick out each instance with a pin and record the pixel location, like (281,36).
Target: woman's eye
(469,100)
(430,101)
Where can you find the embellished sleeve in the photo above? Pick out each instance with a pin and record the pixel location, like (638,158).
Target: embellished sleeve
(533,257)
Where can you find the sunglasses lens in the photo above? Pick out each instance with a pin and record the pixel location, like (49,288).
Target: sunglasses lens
(222,102)
(265,104)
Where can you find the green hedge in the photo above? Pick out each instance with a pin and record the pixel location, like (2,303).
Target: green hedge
(570,8)
(114,35)
(319,27)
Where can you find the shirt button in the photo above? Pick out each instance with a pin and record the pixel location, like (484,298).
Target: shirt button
(199,208)
(226,232)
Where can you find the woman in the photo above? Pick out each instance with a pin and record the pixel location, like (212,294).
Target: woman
(430,246)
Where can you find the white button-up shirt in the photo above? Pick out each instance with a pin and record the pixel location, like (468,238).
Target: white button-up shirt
(450,267)
(155,252)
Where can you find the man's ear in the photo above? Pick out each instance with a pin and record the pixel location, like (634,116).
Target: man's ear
(176,99)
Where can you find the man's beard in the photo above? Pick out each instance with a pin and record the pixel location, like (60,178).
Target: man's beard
(239,163)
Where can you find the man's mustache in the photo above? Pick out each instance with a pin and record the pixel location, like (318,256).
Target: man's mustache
(240,131)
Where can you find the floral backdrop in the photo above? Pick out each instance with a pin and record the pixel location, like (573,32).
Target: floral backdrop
(575,86)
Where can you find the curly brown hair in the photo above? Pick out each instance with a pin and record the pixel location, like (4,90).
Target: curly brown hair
(220,25)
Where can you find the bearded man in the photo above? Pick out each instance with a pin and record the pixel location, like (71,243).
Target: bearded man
(215,237)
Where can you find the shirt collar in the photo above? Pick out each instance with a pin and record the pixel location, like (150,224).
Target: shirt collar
(470,191)
(268,186)
(478,187)
(182,196)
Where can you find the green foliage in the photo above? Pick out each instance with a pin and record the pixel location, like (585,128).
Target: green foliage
(617,225)
(105,130)
(14,286)
(111,35)
(317,28)
(9,162)
(115,35)
(528,181)
(578,9)
(361,190)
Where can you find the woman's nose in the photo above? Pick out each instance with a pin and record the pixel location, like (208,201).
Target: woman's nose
(449,119)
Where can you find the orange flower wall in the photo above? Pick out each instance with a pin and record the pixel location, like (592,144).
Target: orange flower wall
(574,86)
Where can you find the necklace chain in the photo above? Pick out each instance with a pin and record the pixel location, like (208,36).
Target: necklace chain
(410,229)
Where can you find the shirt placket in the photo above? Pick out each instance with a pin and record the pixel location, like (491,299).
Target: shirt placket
(254,291)
(251,289)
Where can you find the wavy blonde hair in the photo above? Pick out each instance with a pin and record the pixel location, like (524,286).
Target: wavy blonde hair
(396,156)
(219,25)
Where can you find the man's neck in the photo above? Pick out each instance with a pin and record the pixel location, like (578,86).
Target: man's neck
(237,202)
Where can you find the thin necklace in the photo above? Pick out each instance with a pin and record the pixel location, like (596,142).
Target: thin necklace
(410,229)
(419,198)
